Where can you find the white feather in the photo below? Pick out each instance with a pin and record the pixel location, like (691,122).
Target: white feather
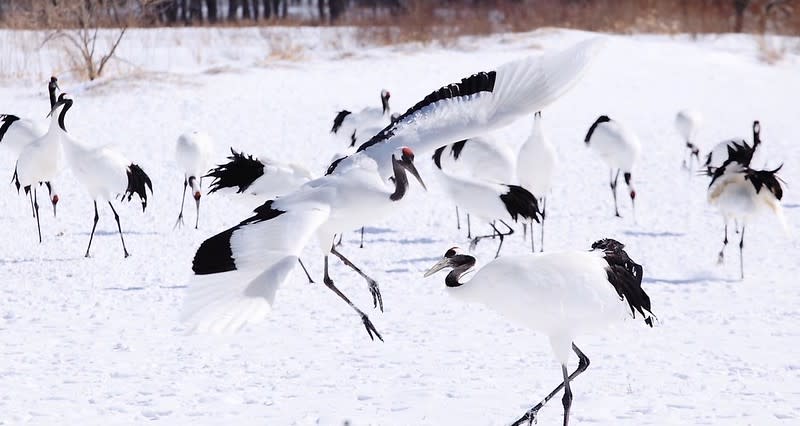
(265,252)
(616,144)
(688,122)
(536,161)
(521,87)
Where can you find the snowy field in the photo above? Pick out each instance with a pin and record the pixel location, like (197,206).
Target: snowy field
(98,341)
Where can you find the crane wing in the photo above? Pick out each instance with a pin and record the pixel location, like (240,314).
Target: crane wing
(238,271)
(264,179)
(484,101)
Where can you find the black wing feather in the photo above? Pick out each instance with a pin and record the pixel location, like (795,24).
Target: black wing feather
(240,172)
(626,277)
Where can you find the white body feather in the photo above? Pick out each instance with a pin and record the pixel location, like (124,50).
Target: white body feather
(561,294)
(279,179)
(536,161)
(616,144)
(736,198)
(717,155)
(20,134)
(482,158)
(42,159)
(356,193)
(688,122)
(479,198)
(193,154)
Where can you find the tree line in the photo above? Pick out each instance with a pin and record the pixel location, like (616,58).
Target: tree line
(601,15)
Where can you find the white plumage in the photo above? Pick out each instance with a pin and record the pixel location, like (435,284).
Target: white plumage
(535,168)
(193,156)
(221,303)
(18,132)
(619,148)
(482,159)
(279,178)
(259,178)
(42,160)
(739,192)
(356,191)
(721,151)
(536,161)
(688,123)
(488,200)
(359,127)
(563,295)
(105,173)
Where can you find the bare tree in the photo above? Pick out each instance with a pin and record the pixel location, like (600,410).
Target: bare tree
(78,24)
(739,6)
(211,9)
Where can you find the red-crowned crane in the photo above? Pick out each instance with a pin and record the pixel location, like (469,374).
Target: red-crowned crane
(193,155)
(238,271)
(619,148)
(562,294)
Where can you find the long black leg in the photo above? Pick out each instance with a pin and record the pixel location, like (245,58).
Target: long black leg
(30,194)
(741,253)
(362,238)
(544,214)
(495,232)
(377,300)
(469,228)
(566,400)
(50,195)
(721,257)
(338,243)
(458,219)
(119,228)
(36,213)
(96,218)
(179,222)
(525,231)
(364,318)
(614,191)
(310,281)
(530,416)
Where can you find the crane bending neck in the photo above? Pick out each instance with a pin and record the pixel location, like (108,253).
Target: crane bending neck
(465,264)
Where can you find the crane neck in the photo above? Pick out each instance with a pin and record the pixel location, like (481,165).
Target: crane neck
(400,181)
(537,137)
(385,104)
(466,263)
(57,120)
(51,88)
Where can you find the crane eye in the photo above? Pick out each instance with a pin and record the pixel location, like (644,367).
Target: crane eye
(450,253)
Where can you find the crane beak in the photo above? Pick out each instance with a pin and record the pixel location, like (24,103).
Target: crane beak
(445,262)
(408,164)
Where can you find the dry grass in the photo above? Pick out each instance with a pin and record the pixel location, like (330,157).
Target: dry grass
(771,51)
(429,22)
(438,21)
(282,48)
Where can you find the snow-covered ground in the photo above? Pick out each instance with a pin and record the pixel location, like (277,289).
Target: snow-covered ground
(97,341)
